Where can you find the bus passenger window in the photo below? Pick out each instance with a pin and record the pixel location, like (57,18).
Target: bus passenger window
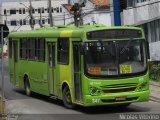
(10,48)
(63,51)
(23,48)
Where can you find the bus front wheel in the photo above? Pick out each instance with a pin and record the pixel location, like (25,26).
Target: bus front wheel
(67,98)
(27,87)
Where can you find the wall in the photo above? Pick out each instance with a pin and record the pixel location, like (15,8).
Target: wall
(141,13)
(146,13)
(155,51)
(57,17)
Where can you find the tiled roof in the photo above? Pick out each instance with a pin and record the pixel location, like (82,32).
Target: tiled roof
(100,3)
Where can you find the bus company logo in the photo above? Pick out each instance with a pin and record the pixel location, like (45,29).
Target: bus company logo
(139,116)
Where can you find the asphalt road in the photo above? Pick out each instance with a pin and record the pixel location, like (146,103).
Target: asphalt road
(38,107)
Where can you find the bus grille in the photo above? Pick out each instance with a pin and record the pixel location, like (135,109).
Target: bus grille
(119,88)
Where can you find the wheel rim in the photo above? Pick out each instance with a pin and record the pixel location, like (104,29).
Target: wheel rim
(68,97)
(27,88)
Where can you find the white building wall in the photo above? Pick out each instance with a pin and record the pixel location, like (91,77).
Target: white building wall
(141,14)
(104,18)
(96,17)
(58,18)
(1,14)
(155,51)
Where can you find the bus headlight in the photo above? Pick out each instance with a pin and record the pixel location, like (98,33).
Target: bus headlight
(95,91)
(143,86)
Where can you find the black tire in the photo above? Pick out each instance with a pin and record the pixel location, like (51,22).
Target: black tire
(27,87)
(67,98)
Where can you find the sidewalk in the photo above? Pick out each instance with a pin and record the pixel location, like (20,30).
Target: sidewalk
(155,91)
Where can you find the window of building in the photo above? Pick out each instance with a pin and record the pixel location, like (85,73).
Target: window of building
(24,22)
(12,11)
(132,3)
(60,10)
(49,21)
(24,11)
(39,10)
(13,22)
(20,22)
(43,21)
(57,9)
(63,50)
(33,11)
(30,22)
(20,11)
(42,10)
(5,11)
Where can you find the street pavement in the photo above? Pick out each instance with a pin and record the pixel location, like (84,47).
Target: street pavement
(39,107)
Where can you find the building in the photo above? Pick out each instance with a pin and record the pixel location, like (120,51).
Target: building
(0,13)
(145,14)
(16,14)
(94,12)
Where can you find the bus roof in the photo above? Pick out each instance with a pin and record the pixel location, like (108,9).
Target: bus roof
(54,32)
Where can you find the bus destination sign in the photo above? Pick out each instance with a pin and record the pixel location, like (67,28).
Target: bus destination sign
(114,34)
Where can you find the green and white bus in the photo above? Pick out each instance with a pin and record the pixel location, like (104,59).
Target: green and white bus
(85,65)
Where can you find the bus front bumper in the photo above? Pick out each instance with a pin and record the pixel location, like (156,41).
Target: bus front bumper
(116,98)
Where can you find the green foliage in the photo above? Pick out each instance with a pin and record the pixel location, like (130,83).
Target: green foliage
(154,71)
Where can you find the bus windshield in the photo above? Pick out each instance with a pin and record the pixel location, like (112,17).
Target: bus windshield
(115,58)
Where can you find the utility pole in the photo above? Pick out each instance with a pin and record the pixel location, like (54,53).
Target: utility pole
(117,14)
(50,12)
(31,15)
(40,21)
(77,8)
(64,19)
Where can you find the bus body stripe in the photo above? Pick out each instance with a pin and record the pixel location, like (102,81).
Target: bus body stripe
(65,33)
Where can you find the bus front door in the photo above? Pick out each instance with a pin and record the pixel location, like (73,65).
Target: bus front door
(77,73)
(51,68)
(15,59)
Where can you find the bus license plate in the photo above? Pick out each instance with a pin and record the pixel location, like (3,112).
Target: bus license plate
(120,99)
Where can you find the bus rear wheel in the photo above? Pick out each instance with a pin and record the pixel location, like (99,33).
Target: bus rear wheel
(27,87)
(67,98)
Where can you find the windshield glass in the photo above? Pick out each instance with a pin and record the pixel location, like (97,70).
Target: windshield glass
(115,58)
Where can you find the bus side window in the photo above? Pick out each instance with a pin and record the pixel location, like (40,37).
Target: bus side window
(63,51)
(10,48)
(40,49)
